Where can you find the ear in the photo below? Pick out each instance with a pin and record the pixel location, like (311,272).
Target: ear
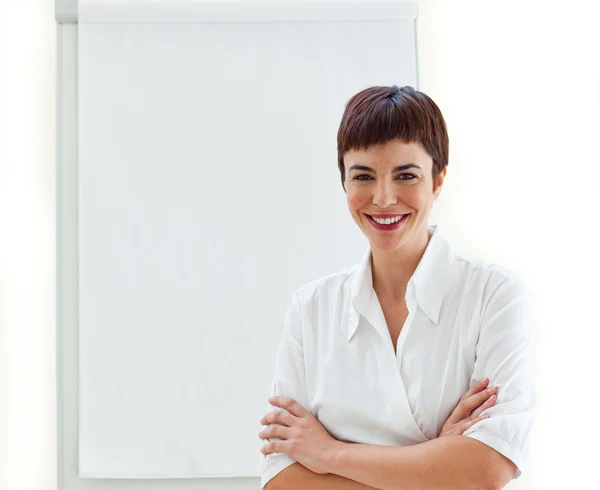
(439,182)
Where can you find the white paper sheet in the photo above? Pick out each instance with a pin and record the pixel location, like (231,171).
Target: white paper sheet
(208,192)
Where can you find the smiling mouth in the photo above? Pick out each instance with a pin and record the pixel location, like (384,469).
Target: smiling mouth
(396,218)
(392,225)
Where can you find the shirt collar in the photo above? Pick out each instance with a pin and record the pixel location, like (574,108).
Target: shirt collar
(428,283)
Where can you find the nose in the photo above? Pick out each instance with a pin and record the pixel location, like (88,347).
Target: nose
(384,194)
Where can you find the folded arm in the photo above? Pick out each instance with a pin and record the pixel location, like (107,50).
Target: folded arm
(297,477)
(444,463)
(486,456)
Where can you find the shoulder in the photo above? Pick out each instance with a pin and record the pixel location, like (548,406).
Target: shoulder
(487,278)
(330,287)
(496,293)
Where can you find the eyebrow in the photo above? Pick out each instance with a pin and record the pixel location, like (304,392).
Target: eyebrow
(396,169)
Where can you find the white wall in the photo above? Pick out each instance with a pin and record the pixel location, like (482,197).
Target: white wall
(519,84)
(27,247)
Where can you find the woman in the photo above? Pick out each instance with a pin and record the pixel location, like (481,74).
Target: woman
(381,369)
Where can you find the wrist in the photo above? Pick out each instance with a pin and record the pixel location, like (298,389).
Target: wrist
(331,456)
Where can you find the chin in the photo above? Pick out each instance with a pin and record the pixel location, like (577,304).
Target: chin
(386,245)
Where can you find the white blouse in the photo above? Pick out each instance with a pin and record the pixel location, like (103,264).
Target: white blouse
(466,321)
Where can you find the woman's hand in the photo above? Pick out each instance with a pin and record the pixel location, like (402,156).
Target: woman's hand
(469,408)
(304,439)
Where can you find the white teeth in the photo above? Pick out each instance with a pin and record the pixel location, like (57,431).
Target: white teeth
(387,221)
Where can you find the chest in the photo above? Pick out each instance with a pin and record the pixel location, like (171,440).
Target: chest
(395,314)
(362,391)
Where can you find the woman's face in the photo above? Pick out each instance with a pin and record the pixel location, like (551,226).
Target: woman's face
(387,181)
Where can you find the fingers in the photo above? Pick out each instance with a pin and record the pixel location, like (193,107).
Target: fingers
(471,400)
(480,385)
(476,400)
(276,431)
(290,405)
(466,425)
(279,424)
(487,404)
(278,417)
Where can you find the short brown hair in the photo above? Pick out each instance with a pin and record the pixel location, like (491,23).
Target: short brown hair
(380,114)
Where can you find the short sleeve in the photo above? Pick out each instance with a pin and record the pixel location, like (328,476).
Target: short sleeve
(289,380)
(502,356)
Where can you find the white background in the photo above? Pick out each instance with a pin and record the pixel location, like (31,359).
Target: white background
(519,85)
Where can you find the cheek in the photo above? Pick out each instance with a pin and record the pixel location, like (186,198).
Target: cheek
(357,200)
(416,197)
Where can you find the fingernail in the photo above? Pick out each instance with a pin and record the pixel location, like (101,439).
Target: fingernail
(483,380)
(491,389)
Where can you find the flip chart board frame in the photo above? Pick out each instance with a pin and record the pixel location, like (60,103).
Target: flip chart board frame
(67,251)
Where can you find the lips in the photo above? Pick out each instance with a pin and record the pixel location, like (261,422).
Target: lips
(393,226)
(385,216)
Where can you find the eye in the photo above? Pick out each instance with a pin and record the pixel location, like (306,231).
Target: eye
(408,175)
(412,177)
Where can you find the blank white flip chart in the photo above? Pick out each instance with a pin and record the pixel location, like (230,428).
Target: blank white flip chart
(208,191)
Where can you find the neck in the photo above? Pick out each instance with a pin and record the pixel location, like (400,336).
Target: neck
(393,269)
